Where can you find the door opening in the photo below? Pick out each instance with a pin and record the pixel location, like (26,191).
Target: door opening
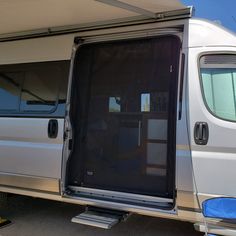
(123,114)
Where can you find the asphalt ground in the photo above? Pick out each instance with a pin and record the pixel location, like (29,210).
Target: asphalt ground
(38,217)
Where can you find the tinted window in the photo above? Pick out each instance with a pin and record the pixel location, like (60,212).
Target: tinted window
(218,73)
(34,87)
(10,85)
(63,87)
(40,88)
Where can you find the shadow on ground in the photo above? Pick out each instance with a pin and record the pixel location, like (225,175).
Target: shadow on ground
(37,217)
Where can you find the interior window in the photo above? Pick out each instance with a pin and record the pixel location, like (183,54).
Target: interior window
(218,75)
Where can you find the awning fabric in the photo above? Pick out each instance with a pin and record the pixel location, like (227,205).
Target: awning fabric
(25,15)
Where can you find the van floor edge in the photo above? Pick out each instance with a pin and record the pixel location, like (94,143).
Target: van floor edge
(138,203)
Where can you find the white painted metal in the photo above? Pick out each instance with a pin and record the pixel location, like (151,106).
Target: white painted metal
(26,149)
(214,164)
(30,182)
(204,33)
(35,50)
(197,33)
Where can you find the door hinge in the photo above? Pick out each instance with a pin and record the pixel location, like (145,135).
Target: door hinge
(65,136)
(70,144)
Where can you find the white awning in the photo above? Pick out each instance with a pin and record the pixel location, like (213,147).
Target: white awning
(28,15)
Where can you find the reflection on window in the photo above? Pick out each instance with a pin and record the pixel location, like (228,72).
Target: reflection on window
(114,104)
(154,102)
(63,88)
(40,89)
(219,87)
(10,85)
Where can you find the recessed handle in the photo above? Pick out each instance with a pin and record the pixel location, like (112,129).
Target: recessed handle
(201,133)
(52,128)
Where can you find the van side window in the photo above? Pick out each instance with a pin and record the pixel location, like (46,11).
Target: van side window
(10,87)
(218,77)
(34,88)
(40,88)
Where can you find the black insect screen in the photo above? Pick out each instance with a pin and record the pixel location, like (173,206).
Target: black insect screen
(123,111)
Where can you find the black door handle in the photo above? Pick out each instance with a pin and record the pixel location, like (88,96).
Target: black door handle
(52,128)
(201,133)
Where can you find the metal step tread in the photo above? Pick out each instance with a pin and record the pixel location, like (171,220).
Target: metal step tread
(98,218)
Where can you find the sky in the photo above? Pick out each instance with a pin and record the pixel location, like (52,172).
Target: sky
(223,11)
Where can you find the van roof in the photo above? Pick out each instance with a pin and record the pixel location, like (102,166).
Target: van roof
(204,33)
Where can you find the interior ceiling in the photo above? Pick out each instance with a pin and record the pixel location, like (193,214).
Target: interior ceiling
(24,15)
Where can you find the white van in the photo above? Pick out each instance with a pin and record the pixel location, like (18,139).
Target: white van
(111,105)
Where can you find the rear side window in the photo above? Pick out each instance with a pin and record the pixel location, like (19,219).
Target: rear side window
(10,88)
(218,77)
(40,88)
(34,88)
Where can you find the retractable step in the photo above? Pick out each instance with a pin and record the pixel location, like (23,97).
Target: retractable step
(99,217)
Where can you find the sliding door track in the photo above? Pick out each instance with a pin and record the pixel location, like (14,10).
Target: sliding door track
(121,198)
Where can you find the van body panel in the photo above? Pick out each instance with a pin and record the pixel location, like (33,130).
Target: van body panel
(37,49)
(32,109)
(26,148)
(184,177)
(214,163)
(204,33)
(30,182)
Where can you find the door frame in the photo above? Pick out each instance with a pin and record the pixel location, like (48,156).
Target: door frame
(68,144)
